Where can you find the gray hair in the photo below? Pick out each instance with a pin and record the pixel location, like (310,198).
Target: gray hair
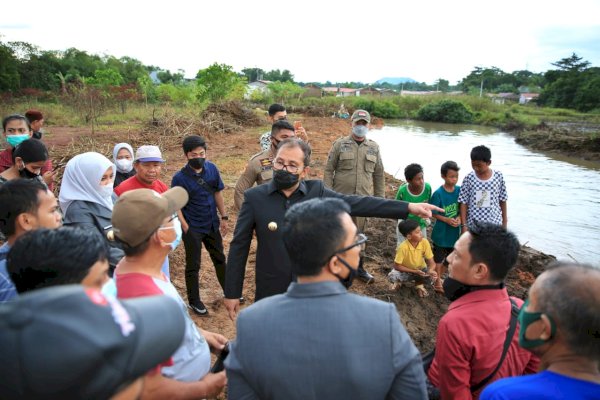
(570,295)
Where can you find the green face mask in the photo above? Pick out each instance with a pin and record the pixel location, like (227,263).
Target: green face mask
(528,318)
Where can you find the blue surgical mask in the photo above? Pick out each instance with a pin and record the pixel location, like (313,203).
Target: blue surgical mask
(527,318)
(15,140)
(360,131)
(178,233)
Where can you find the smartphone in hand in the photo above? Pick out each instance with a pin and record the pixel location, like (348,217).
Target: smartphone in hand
(218,365)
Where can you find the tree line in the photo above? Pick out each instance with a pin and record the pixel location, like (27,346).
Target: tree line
(26,70)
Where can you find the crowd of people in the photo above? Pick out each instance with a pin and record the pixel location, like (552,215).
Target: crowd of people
(88,311)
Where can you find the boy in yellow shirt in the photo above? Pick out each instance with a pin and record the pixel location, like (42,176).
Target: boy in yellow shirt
(414,259)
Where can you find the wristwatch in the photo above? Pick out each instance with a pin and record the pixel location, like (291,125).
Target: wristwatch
(225,217)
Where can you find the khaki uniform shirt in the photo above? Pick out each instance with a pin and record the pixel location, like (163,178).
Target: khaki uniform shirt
(354,169)
(259,170)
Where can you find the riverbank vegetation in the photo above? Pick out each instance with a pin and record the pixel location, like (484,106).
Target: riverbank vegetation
(74,88)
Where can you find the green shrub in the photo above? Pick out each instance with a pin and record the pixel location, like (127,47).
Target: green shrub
(450,111)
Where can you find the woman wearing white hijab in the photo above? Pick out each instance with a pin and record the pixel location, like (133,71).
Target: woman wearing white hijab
(123,159)
(86,196)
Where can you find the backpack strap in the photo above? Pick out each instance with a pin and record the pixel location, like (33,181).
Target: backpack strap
(200,181)
(514,313)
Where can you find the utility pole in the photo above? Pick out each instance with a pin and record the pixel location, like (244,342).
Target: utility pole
(481,89)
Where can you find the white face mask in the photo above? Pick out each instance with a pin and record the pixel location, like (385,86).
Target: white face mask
(106,190)
(360,131)
(124,165)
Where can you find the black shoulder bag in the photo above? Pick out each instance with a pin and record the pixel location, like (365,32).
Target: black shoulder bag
(203,184)
(514,313)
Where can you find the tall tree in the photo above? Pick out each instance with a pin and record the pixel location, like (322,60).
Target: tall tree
(572,85)
(219,82)
(9,69)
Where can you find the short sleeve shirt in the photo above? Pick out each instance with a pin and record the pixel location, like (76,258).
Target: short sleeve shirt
(444,235)
(134,183)
(191,361)
(423,197)
(413,257)
(200,212)
(483,197)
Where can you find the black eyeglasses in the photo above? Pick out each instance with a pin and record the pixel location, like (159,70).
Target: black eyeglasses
(362,240)
(278,165)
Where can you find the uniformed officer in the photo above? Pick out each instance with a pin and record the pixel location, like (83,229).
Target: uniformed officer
(260,167)
(354,167)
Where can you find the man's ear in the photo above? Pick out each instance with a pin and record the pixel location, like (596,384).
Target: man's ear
(547,330)
(334,266)
(482,271)
(26,221)
(305,172)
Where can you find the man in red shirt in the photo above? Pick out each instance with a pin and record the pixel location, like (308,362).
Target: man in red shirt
(148,165)
(470,336)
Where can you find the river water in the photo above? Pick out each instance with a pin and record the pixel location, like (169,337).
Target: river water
(553,201)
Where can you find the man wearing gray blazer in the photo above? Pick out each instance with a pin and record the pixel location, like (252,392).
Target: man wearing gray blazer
(317,341)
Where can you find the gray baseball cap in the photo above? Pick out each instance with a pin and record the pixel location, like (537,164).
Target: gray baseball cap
(69,342)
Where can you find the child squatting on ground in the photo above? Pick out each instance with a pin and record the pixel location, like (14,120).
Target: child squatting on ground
(414,259)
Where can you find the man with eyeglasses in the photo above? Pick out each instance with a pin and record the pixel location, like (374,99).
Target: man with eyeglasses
(263,211)
(317,340)
(259,169)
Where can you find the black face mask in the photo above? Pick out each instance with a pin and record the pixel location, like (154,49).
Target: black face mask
(454,290)
(275,142)
(284,180)
(196,163)
(347,281)
(27,174)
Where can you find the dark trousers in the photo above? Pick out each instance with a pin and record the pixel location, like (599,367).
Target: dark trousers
(213,242)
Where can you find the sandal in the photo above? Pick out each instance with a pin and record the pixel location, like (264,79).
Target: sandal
(421,291)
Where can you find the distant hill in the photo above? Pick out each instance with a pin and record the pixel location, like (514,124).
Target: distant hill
(394,81)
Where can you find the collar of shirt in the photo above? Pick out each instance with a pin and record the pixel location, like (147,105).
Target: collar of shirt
(318,289)
(5,248)
(350,139)
(479,296)
(187,166)
(272,189)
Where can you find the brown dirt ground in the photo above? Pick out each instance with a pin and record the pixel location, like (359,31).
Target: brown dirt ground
(230,153)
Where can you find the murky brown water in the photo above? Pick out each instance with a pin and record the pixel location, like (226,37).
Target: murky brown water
(554,201)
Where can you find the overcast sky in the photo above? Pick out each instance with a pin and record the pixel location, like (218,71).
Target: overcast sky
(319,40)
